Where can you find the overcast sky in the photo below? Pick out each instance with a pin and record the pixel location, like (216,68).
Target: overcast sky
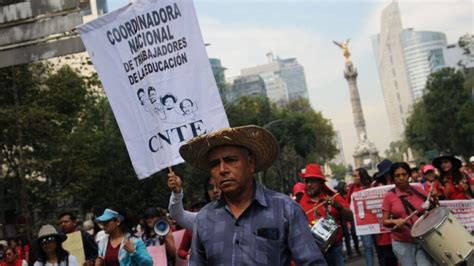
(241,32)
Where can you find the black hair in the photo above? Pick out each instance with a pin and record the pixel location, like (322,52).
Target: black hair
(162,214)
(139,91)
(150,89)
(70,214)
(415,169)
(365,178)
(399,165)
(166,96)
(206,195)
(181,104)
(456,175)
(61,253)
(340,188)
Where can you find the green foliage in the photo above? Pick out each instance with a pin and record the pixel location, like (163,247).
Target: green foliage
(339,171)
(62,147)
(303,134)
(443,119)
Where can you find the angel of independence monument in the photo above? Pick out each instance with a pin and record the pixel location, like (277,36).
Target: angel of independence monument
(365,153)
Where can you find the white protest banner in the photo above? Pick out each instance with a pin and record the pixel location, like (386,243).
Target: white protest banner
(367,208)
(463,210)
(151,59)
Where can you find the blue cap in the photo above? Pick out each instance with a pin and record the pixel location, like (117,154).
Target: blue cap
(109,215)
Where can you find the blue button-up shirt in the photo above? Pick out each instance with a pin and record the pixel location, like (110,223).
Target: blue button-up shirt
(272,231)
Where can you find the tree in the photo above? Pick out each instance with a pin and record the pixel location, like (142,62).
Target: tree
(303,135)
(443,119)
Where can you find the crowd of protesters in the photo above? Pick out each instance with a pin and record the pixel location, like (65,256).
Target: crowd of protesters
(116,238)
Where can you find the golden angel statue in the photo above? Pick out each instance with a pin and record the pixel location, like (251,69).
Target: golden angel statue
(345,47)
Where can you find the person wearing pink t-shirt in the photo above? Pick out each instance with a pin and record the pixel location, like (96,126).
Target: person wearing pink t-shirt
(397,205)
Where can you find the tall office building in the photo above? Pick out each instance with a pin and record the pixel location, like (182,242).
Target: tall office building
(339,158)
(90,9)
(392,71)
(450,56)
(403,61)
(417,48)
(250,85)
(284,78)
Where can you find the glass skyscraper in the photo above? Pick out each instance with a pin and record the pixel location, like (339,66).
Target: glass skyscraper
(418,46)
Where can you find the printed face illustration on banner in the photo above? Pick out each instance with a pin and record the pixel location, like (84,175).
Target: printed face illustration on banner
(151,59)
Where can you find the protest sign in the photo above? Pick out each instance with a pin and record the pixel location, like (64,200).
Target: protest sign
(73,244)
(178,238)
(158,254)
(463,210)
(367,208)
(151,59)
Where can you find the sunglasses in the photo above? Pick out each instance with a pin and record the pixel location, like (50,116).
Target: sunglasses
(48,239)
(8,254)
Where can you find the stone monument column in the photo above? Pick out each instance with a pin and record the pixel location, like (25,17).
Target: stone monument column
(365,153)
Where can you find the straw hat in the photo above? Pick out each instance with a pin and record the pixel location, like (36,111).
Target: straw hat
(259,141)
(49,230)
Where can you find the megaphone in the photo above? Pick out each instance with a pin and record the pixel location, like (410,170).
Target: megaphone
(161,228)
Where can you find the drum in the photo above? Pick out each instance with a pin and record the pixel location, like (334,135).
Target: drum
(443,237)
(324,232)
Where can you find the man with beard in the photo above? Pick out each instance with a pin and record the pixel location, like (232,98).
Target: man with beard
(318,194)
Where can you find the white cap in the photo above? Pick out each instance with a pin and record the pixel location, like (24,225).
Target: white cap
(471,160)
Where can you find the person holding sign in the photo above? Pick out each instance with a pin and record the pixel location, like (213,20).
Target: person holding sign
(248,224)
(320,202)
(67,224)
(397,205)
(51,252)
(120,246)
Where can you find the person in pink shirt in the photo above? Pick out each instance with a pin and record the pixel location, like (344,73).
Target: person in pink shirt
(431,180)
(397,204)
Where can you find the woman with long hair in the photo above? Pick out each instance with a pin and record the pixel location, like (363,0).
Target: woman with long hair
(120,246)
(51,252)
(397,205)
(455,183)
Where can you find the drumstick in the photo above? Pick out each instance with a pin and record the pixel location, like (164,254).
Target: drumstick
(320,204)
(406,220)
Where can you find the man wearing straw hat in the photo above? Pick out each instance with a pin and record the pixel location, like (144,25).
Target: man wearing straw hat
(249,224)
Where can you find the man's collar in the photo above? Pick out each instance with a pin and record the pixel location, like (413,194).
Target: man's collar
(258,195)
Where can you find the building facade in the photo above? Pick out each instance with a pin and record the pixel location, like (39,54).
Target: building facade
(417,48)
(284,79)
(393,74)
(250,85)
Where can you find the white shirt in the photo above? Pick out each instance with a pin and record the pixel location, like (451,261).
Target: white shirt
(72,262)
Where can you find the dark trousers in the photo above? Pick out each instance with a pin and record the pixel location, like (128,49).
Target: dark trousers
(388,257)
(347,237)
